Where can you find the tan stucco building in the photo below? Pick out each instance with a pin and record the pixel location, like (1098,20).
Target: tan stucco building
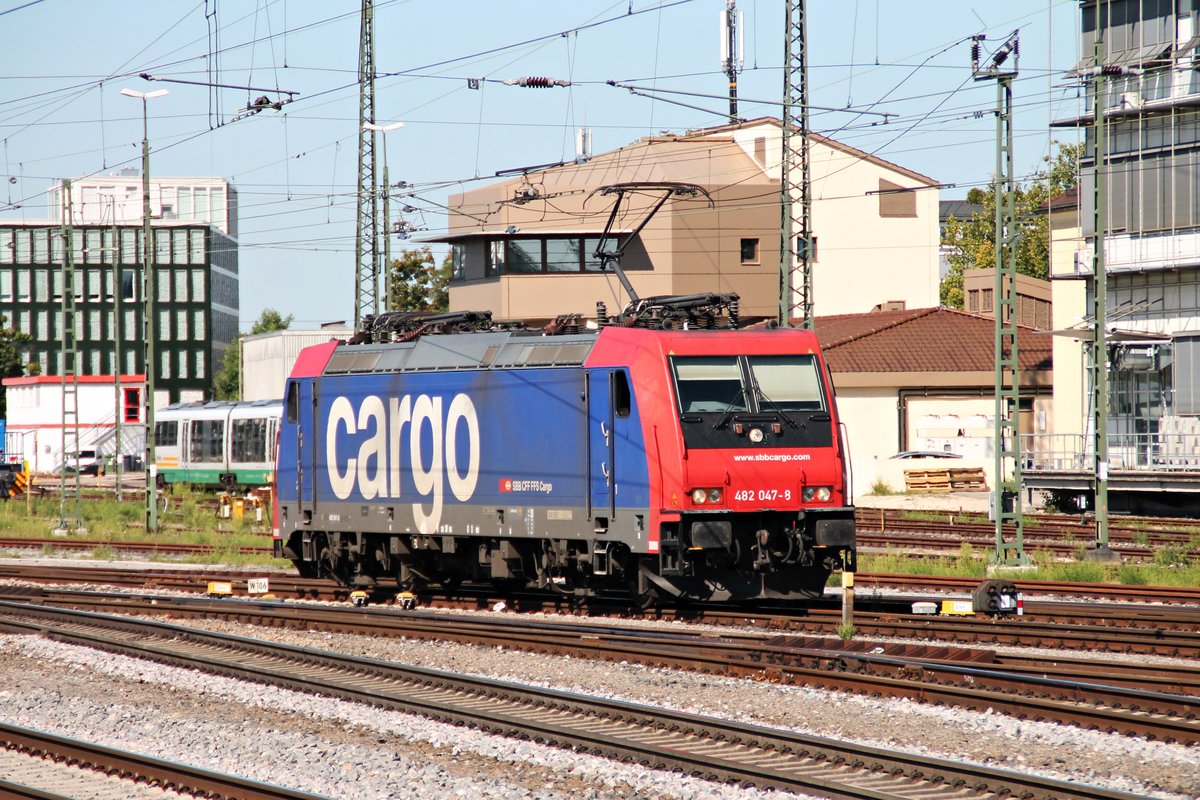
(923,380)
(524,247)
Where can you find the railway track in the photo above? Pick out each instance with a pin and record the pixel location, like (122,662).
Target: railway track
(1152,630)
(1061,535)
(1088,591)
(707,747)
(1119,697)
(291,584)
(44,766)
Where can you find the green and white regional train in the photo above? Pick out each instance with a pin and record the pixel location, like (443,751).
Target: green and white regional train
(221,444)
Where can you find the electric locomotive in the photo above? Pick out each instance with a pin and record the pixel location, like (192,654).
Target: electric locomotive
(704,464)
(665,453)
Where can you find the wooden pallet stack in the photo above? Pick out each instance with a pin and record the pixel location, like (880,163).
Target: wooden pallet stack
(943,481)
(968,480)
(927,481)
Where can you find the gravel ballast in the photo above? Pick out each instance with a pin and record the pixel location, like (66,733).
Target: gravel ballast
(351,751)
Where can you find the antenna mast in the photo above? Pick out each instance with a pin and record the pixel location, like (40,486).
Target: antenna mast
(732,51)
(795,190)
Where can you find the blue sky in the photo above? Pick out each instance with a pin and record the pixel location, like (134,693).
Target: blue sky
(65,62)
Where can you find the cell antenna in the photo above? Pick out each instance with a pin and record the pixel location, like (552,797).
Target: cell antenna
(732,49)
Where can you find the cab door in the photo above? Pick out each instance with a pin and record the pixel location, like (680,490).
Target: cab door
(608,423)
(601,441)
(302,406)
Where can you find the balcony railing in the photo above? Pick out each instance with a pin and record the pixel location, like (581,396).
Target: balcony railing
(1144,452)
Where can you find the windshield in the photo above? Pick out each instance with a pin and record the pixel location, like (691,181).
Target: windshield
(722,384)
(787,383)
(709,384)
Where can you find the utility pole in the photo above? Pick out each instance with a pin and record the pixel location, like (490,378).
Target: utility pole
(795,196)
(117,333)
(366,243)
(732,51)
(385,225)
(1006,499)
(1098,353)
(70,513)
(148,312)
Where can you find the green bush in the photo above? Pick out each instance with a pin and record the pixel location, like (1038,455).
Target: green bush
(881,488)
(1131,576)
(1170,556)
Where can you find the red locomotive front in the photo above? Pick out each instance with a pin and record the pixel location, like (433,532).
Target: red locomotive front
(749,484)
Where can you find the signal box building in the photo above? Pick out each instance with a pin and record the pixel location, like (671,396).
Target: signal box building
(35,418)
(196,271)
(523,248)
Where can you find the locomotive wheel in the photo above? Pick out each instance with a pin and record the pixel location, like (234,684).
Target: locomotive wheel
(647,599)
(327,561)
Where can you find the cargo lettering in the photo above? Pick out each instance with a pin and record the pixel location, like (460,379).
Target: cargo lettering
(376,469)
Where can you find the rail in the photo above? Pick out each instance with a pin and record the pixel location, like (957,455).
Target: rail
(183,778)
(708,747)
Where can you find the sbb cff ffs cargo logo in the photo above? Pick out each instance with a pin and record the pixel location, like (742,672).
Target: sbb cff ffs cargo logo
(382,457)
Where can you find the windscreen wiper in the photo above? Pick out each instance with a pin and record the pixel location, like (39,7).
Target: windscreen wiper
(730,410)
(778,408)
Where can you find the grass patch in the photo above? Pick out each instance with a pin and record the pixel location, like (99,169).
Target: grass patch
(882,488)
(183,519)
(1165,570)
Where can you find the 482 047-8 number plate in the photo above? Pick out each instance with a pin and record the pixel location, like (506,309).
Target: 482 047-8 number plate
(764,495)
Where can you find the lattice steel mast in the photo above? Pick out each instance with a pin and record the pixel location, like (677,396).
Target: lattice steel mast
(1007,511)
(1098,352)
(366,241)
(795,192)
(70,510)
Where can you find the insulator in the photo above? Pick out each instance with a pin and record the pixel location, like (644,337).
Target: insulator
(975,52)
(733,313)
(601,313)
(536,82)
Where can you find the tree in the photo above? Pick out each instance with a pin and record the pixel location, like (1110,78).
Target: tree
(11,341)
(418,283)
(227,382)
(974,240)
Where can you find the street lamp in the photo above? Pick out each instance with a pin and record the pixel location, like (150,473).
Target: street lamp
(148,313)
(387,216)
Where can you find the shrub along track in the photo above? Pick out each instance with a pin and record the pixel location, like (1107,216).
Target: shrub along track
(707,747)
(1157,702)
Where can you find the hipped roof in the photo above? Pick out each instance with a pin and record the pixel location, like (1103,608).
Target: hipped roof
(922,340)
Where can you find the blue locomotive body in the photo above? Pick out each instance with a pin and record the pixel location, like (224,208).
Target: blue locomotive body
(640,461)
(425,448)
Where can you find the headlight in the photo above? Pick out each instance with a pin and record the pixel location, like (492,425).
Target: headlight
(699,496)
(714,495)
(756,435)
(820,493)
